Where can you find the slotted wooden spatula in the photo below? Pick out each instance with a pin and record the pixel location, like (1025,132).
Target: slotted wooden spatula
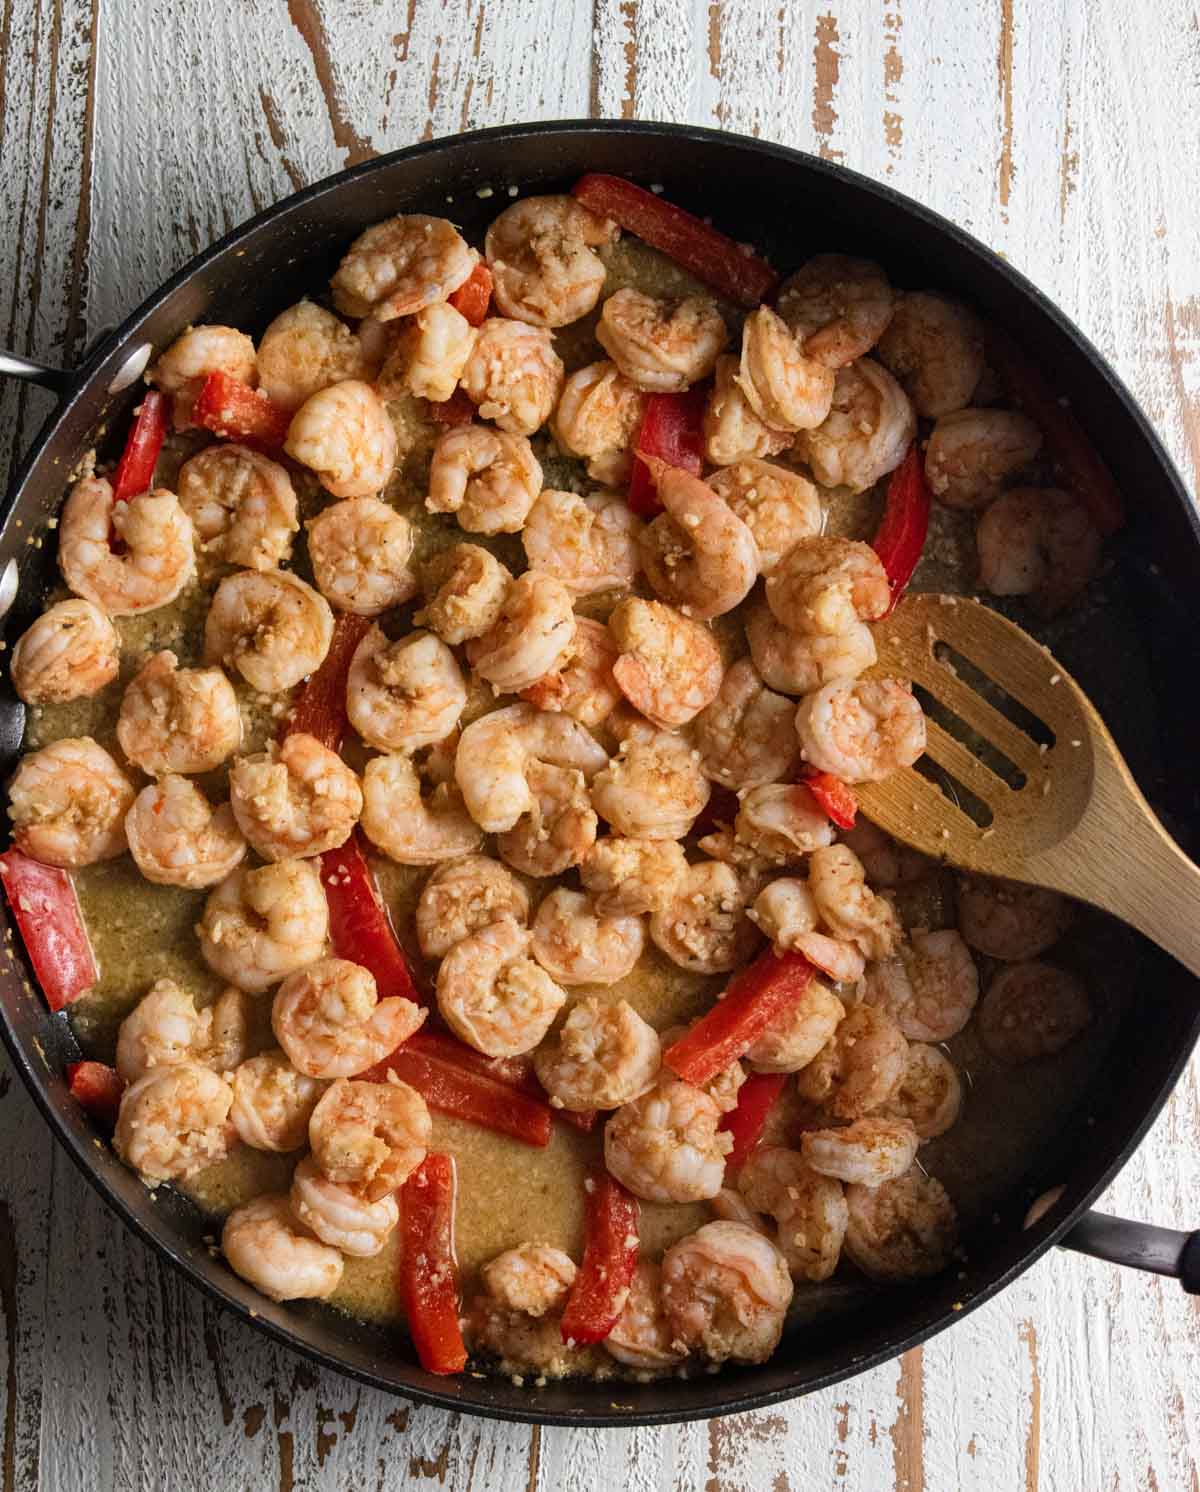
(1077,823)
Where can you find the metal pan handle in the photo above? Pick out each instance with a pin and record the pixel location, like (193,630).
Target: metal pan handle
(1140,1245)
(13,365)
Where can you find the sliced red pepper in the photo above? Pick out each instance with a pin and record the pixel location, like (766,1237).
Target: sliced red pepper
(753,999)
(235,411)
(46,911)
(135,470)
(474,295)
(1074,456)
(359,927)
(672,430)
(902,532)
(97,1088)
(320,707)
(610,1256)
(453,1088)
(731,269)
(428,1266)
(835,798)
(756,1099)
(456,410)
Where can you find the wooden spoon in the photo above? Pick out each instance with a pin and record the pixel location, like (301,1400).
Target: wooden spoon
(1078,823)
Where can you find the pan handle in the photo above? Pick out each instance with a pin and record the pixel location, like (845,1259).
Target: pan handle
(13,365)
(1140,1245)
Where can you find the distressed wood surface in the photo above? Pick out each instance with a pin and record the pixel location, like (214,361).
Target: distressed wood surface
(132,132)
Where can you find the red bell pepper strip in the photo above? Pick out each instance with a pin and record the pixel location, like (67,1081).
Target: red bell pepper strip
(320,707)
(474,295)
(359,927)
(456,410)
(672,431)
(97,1088)
(235,411)
(901,535)
(451,1087)
(756,1099)
(731,269)
(1074,456)
(428,1267)
(835,798)
(753,999)
(46,911)
(135,470)
(610,1256)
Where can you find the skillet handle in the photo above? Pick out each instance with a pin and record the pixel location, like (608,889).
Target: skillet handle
(13,365)
(1140,1245)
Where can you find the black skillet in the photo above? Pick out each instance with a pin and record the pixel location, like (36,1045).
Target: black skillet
(790,205)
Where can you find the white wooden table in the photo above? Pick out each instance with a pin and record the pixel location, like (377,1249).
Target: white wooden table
(133,132)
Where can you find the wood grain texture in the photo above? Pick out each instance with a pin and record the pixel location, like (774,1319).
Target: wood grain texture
(1060,131)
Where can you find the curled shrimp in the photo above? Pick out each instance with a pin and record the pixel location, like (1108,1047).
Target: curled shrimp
(330,1021)
(801,662)
(260,925)
(869,427)
(202,350)
(667,1146)
(399,266)
(643,1337)
(68,802)
(726,1290)
(934,346)
(575,944)
(177,838)
(698,555)
(598,414)
(164,1029)
(904,1229)
(533,1278)
(242,506)
(861,731)
(541,252)
(176,719)
(272,1102)
(809,1209)
(270,626)
(930,988)
(296,799)
(408,825)
(971,454)
(266,1245)
(777,505)
(560,827)
(786,389)
(305,349)
(338,1216)
(465,587)
(662,346)
(518,1316)
(487,478)
(704,927)
(344,435)
(848,906)
(1037,542)
(794,1038)
(406,694)
(156,559)
(581,684)
(1032,1010)
(827,585)
(429,355)
(494,753)
(369,1136)
(603,1055)
(1008,921)
(836,307)
(174,1121)
(653,788)
(589,543)
(745,737)
(867,1152)
(859,1068)
(787,913)
(493,996)
(463,897)
(630,876)
(70,652)
(733,431)
(781,821)
(930,1094)
(360,549)
(669,666)
(530,637)
(513,376)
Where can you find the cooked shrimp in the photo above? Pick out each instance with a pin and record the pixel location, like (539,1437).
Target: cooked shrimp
(603,1055)
(409,826)
(270,626)
(369,1136)
(70,652)
(588,543)
(493,995)
(577,945)
(177,838)
(653,788)
(260,925)
(826,585)
(1038,542)
(849,908)
(560,827)
(272,1250)
(793,1039)
(777,505)
(1032,1010)
(1008,921)
(465,587)
(836,307)
(971,454)
(201,350)
(463,897)
(541,252)
(338,1216)
(156,559)
(786,389)
(305,349)
(663,346)
(296,799)
(643,1337)
(930,1094)
(929,989)
(698,555)
(513,376)
(598,414)
(582,684)
(242,506)
(344,435)
(669,666)
(399,266)
(329,1019)
(859,1068)
(178,719)
(428,356)
(164,1029)
(704,927)
(861,731)
(406,694)
(360,550)
(174,1121)
(865,1153)
(869,427)
(905,1229)
(885,860)
(630,876)
(490,480)
(494,754)
(726,1290)
(732,429)
(272,1102)
(787,913)
(530,637)
(533,1278)
(809,1209)
(934,346)
(666,1146)
(68,802)
(800,662)
(782,820)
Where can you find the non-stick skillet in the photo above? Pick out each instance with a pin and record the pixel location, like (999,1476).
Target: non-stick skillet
(790,205)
